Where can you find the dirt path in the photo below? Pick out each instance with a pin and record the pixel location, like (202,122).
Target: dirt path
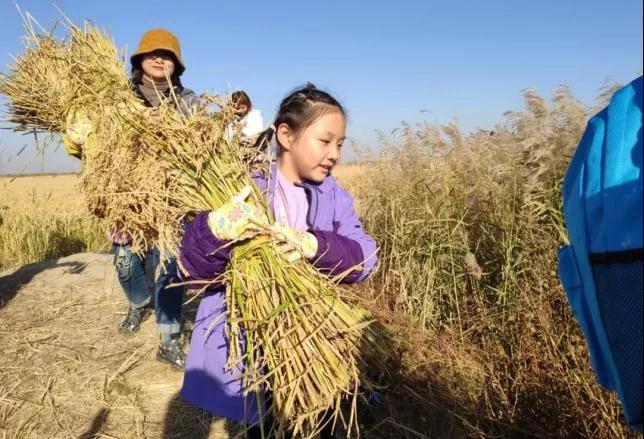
(65,372)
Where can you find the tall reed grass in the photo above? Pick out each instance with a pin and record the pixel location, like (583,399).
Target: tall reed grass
(468,226)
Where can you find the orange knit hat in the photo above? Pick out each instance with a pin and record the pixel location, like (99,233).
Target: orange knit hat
(159,39)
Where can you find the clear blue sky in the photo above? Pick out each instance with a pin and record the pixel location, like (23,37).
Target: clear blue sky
(385,61)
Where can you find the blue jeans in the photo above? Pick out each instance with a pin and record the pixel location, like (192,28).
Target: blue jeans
(132,277)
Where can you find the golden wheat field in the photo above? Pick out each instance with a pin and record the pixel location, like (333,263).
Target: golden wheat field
(42,217)
(468,225)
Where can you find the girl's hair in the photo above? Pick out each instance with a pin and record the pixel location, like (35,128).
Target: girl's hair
(299,110)
(136,74)
(241,98)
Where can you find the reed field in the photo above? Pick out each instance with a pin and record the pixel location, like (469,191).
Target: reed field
(468,225)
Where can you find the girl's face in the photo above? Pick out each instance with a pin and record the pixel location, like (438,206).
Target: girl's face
(314,152)
(156,64)
(241,110)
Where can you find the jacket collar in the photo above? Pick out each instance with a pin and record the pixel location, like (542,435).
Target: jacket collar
(320,187)
(178,90)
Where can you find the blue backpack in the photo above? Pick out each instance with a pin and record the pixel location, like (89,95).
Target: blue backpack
(601,269)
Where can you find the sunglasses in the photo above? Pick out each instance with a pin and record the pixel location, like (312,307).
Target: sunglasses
(164,55)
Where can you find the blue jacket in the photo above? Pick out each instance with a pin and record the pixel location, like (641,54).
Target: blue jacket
(601,269)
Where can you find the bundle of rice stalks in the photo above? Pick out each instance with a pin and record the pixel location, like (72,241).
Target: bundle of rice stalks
(288,325)
(57,82)
(42,100)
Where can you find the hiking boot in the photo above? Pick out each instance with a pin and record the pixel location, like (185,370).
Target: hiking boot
(171,352)
(133,319)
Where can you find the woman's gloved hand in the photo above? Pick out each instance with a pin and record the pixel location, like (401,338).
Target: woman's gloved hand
(78,130)
(237,219)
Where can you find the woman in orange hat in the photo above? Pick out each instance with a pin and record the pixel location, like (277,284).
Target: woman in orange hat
(156,70)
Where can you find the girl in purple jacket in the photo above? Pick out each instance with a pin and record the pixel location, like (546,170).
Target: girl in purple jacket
(315,220)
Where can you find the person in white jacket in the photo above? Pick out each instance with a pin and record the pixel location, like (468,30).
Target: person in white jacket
(250,119)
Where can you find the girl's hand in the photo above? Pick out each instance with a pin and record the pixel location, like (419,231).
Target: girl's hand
(237,219)
(293,243)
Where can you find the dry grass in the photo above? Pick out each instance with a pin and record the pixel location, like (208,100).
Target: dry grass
(43,217)
(66,373)
(469,226)
(59,189)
